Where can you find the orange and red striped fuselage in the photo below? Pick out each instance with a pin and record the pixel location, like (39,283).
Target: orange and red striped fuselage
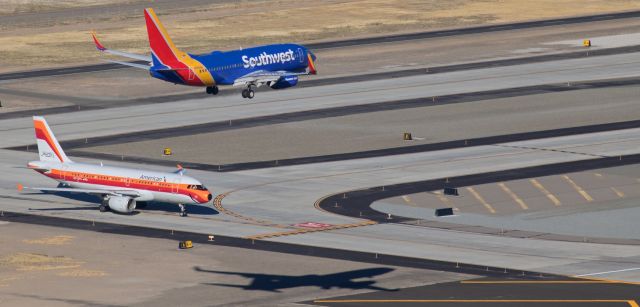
(152,186)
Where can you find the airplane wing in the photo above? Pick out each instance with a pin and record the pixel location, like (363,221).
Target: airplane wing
(102,48)
(128,193)
(261,77)
(145,67)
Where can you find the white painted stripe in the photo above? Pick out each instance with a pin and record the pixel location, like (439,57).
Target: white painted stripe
(608,272)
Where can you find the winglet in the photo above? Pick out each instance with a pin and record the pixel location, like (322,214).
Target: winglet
(99,46)
(180,170)
(20,187)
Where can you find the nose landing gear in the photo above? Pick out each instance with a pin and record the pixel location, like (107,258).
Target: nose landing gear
(183,210)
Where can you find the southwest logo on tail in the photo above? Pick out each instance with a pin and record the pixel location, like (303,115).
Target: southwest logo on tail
(277,66)
(121,189)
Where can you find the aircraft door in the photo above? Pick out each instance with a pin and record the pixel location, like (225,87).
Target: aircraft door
(175,186)
(63,171)
(300,55)
(191,74)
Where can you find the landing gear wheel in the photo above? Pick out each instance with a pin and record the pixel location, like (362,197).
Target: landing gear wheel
(244,93)
(250,93)
(213,90)
(104,206)
(183,210)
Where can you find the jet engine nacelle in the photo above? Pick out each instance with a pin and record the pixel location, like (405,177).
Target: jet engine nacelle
(122,204)
(284,82)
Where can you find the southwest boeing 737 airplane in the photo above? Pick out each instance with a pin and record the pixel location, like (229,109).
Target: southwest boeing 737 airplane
(277,66)
(120,188)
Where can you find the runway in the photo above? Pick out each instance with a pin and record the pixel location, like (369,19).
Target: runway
(89,103)
(17,132)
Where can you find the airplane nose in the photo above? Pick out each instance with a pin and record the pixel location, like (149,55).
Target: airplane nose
(209,196)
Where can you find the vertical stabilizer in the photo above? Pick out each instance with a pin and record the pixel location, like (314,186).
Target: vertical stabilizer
(48,147)
(161,45)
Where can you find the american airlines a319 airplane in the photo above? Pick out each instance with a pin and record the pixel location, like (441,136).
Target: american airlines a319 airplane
(120,188)
(277,66)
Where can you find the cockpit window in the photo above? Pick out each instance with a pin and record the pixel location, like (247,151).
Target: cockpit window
(197,187)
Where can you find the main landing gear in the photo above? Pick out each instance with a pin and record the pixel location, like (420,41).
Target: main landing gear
(183,210)
(104,206)
(212,90)
(248,92)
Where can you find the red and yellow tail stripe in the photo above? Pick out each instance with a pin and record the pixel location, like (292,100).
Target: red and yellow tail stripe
(312,66)
(44,133)
(189,69)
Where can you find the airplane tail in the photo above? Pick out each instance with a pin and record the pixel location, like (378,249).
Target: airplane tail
(163,51)
(48,147)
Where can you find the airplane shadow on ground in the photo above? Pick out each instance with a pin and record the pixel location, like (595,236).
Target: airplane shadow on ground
(276,283)
(146,206)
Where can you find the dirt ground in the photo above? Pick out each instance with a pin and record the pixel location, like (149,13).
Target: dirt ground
(55,33)
(49,266)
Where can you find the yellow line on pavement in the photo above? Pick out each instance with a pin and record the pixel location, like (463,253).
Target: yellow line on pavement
(308,230)
(491,282)
(618,192)
(407,200)
(445,200)
(481,200)
(546,192)
(513,195)
(631,303)
(578,188)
